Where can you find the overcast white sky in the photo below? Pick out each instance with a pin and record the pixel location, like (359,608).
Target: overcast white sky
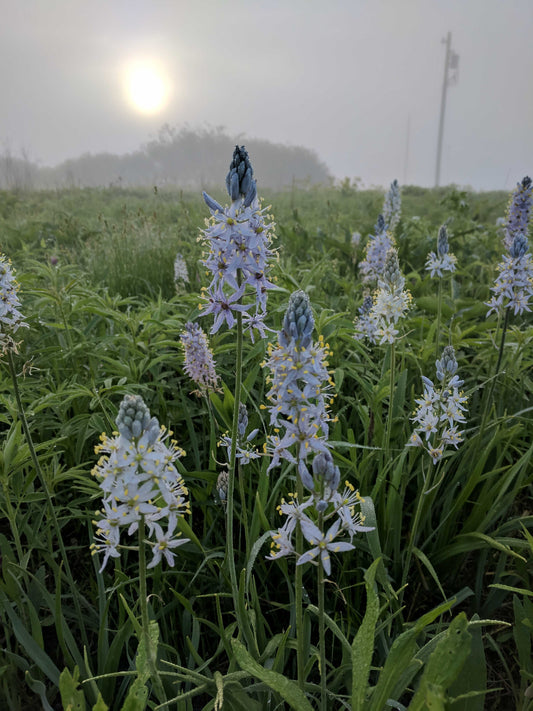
(359,81)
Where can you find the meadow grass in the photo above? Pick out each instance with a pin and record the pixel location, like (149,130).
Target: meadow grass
(432,606)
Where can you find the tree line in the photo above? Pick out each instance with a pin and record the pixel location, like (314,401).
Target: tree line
(188,158)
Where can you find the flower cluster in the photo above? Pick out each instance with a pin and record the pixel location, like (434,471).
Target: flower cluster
(181,273)
(514,285)
(325,504)
(300,387)
(199,364)
(11,318)
(377,247)
(440,410)
(518,212)
(378,321)
(238,243)
(443,260)
(245,452)
(392,207)
(140,484)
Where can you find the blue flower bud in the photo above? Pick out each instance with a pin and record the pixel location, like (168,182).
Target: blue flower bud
(324,467)
(211,203)
(447,365)
(243,419)
(380,225)
(442,241)
(298,323)
(134,419)
(239,180)
(519,246)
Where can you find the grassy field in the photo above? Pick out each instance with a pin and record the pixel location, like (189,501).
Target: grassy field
(431,608)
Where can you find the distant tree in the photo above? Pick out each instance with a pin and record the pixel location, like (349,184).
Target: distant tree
(188,158)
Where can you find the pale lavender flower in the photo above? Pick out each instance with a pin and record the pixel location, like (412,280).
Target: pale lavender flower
(440,409)
(514,285)
(244,452)
(11,319)
(299,389)
(518,212)
(377,247)
(140,482)
(324,543)
(390,304)
(238,241)
(356,239)
(181,273)
(443,260)
(392,207)
(366,322)
(199,363)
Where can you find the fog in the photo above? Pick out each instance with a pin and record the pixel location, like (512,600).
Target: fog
(357,81)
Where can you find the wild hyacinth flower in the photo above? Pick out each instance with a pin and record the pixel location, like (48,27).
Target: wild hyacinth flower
(518,212)
(514,285)
(181,273)
(377,247)
(300,387)
(199,363)
(238,241)
(325,506)
(391,302)
(140,483)
(440,409)
(443,260)
(245,452)
(366,322)
(356,239)
(392,207)
(11,319)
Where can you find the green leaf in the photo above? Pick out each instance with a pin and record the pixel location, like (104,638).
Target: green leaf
(472,678)
(445,662)
(32,649)
(72,698)
(363,644)
(279,683)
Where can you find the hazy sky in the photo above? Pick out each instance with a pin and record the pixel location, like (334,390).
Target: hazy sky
(359,81)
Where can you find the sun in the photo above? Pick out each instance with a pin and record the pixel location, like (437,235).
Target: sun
(147,89)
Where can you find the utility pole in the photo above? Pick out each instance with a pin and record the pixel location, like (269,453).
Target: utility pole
(451,62)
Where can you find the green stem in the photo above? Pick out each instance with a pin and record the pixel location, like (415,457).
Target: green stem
(414,528)
(145,619)
(230,553)
(488,400)
(244,510)
(298,598)
(35,460)
(439,313)
(391,398)
(322,631)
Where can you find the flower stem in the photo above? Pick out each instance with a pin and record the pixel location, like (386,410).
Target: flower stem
(230,553)
(486,407)
(414,528)
(298,599)
(439,315)
(145,620)
(53,515)
(322,631)
(392,355)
